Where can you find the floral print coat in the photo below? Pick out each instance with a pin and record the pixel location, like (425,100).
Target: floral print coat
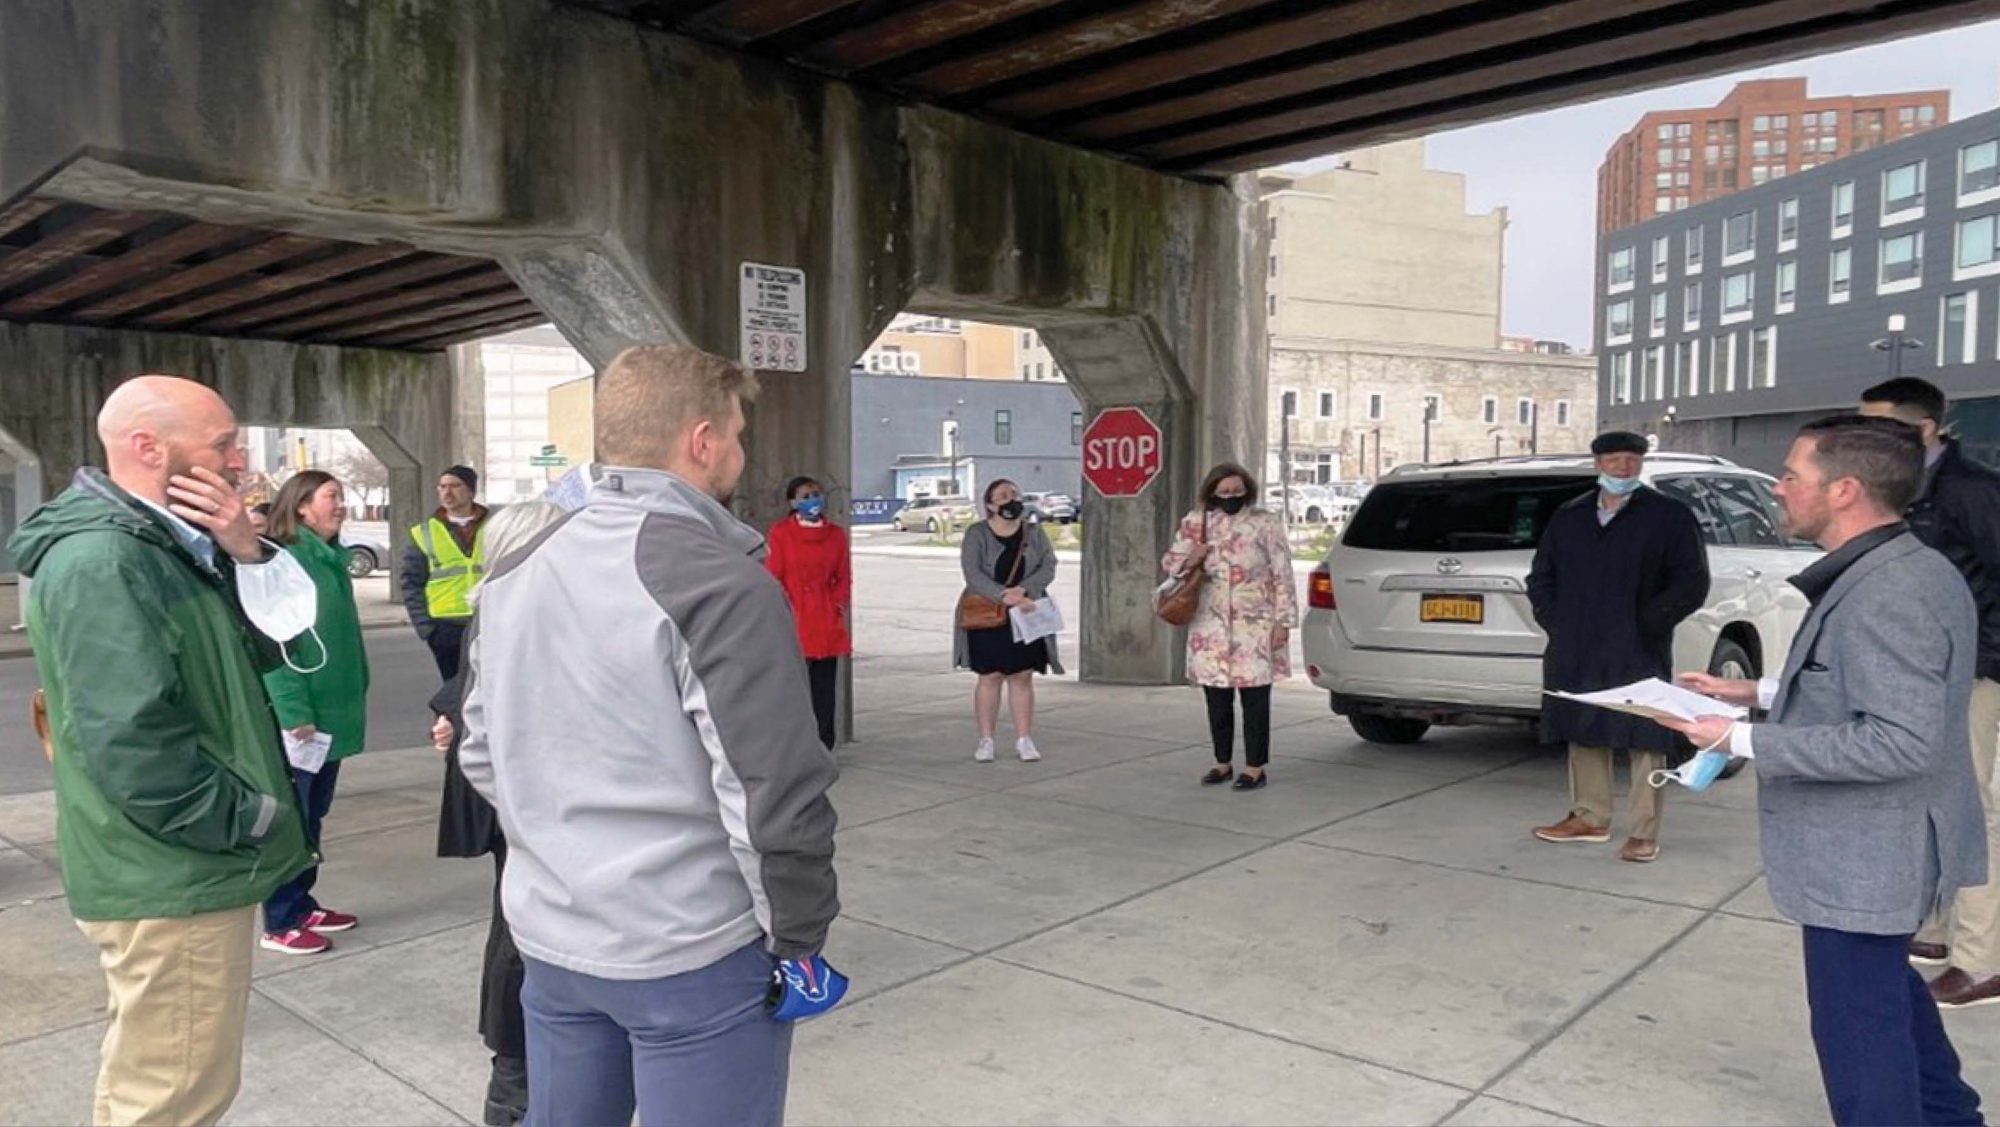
(1250,592)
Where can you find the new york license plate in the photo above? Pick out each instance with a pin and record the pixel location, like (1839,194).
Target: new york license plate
(1452,608)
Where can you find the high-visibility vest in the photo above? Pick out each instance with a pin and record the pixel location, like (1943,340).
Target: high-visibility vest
(453,574)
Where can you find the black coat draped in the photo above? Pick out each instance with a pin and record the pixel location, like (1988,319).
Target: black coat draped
(468,826)
(1609,597)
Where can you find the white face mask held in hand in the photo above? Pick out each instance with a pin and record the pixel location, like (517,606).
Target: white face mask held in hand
(282,601)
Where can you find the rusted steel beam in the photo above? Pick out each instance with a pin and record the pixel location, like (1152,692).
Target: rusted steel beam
(424,307)
(333,312)
(236,263)
(85,234)
(263,286)
(21,214)
(909,30)
(130,266)
(513,314)
(746,21)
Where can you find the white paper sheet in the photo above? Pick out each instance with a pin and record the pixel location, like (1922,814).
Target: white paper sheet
(1655,699)
(1045,621)
(308,755)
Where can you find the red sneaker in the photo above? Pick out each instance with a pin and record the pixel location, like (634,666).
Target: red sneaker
(320,919)
(297,941)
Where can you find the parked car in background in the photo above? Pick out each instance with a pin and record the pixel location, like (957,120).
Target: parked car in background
(1419,616)
(365,553)
(932,514)
(1054,508)
(1312,504)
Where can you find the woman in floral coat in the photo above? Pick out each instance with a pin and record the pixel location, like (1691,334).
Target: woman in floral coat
(1239,643)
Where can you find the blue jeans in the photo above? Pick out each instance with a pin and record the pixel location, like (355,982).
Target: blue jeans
(1883,1053)
(293,902)
(690,1050)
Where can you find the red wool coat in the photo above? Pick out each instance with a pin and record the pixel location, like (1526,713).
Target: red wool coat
(811,564)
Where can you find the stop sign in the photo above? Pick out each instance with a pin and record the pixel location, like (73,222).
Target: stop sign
(1121,452)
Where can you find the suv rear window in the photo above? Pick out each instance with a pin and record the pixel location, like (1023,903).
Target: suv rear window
(1489,514)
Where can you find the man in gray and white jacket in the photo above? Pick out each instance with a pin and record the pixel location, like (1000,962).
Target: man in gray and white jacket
(1870,815)
(637,711)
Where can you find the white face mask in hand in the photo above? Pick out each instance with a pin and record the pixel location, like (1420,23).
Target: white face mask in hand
(282,601)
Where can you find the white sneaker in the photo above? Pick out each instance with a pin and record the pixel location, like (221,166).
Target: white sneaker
(985,752)
(1029,752)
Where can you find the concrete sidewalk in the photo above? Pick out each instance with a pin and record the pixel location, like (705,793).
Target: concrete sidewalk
(1374,938)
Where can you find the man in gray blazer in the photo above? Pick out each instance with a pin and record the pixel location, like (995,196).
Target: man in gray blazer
(1871,819)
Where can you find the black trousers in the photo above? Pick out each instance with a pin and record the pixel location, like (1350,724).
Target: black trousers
(447,642)
(501,972)
(824,673)
(1256,723)
(1883,1053)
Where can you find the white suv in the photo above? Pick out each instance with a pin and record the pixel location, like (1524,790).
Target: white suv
(1420,614)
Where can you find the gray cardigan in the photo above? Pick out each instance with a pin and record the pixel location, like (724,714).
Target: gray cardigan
(1870,809)
(980,555)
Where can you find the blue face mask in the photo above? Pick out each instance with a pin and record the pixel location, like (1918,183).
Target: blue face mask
(1617,486)
(1696,773)
(811,508)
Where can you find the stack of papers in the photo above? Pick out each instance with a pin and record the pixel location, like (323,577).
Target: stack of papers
(1655,699)
(308,755)
(1044,621)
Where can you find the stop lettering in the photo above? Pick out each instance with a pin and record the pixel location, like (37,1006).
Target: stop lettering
(1121,452)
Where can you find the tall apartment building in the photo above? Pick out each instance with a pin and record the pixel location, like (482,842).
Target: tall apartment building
(1764,130)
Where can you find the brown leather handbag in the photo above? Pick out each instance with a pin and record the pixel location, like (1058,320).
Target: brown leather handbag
(1180,597)
(977,612)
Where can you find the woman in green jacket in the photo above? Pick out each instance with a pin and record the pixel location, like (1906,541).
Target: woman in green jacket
(331,700)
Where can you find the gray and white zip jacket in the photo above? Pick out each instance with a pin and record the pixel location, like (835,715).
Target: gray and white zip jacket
(636,709)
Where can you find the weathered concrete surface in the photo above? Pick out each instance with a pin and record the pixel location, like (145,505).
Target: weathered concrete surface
(622,176)
(405,406)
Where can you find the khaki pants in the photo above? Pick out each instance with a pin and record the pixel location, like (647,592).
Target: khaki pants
(1590,789)
(180,990)
(1972,927)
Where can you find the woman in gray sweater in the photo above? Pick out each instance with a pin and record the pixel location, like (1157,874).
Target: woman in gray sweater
(1011,562)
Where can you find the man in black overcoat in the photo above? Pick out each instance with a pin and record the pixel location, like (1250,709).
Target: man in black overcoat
(1616,571)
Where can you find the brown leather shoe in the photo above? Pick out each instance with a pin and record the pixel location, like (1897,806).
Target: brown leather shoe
(1574,829)
(1640,850)
(1955,989)
(1929,954)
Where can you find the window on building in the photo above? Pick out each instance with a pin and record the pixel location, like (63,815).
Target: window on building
(1760,148)
(1902,262)
(1027,338)
(1273,227)
(1686,379)
(1665,156)
(1076,428)
(1691,305)
(1562,412)
(1524,411)
(1739,235)
(1840,275)
(1274,266)
(1665,132)
(1906,116)
(1788,224)
(1290,400)
(1651,387)
(1661,249)
(1903,191)
(1739,294)
(1375,407)
(1954,317)
(1979,245)
(1662,204)
(1979,168)
(1003,428)
(1620,267)
(1761,123)
(1926,115)
(1618,320)
(1489,410)
(1663,180)
(1760,174)
(1779,147)
(1788,286)
(1843,209)
(1711,154)
(1326,405)
(1621,377)
(1729,177)
(1722,363)
(1781,122)
(1693,241)
(1659,320)
(1763,357)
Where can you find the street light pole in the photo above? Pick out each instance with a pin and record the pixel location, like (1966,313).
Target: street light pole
(1895,343)
(1534,426)
(1430,412)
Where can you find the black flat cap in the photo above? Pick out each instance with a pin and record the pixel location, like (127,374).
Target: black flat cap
(1619,442)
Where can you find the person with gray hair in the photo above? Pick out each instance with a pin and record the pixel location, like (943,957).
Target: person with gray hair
(1871,820)
(468,827)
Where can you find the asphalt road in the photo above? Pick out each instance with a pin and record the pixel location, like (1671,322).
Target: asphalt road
(401,673)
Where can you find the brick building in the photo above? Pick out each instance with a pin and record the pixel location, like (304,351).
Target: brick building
(1763,131)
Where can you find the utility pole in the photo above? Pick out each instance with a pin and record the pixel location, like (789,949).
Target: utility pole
(1430,413)
(1285,455)
(1534,426)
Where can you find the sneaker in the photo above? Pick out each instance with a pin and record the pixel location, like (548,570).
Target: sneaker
(324,920)
(1955,989)
(297,941)
(985,752)
(1028,751)
(1929,954)
(1574,829)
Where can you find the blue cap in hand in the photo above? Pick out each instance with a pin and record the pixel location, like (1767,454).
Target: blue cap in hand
(803,988)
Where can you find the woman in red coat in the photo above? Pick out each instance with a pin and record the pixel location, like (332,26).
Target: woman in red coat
(809,558)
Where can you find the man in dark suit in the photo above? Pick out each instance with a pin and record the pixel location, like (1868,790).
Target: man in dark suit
(1616,571)
(1870,816)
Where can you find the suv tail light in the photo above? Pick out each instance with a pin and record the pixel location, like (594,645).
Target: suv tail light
(1319,589)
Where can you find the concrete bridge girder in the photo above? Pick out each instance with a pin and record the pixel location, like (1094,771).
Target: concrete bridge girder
(621,176)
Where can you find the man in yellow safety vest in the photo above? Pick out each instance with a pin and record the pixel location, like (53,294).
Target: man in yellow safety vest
(446,557)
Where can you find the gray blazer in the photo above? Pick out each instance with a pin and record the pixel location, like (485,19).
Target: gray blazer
(979,556)
(1870,810)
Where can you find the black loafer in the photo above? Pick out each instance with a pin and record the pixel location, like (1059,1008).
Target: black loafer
(1217,776)
(1251,782)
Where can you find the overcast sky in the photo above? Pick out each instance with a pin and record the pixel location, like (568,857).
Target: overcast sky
(1543,167)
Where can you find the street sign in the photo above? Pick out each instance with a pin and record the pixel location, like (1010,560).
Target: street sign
(548,460)
(773,317)
(1122,452)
